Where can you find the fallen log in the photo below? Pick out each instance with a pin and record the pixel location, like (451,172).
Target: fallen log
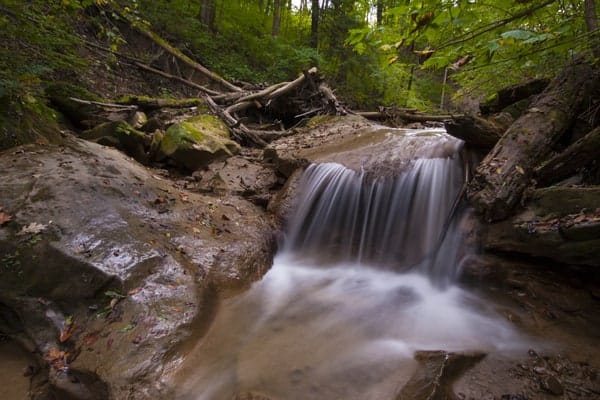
(136,62)
(174,77)
(291,85)
(237,129)
(151,103)
(407,114)
(183,58)
(241,97)
(478,133)
(123,107)
(330,99)
(505,173)
(576,156)
(512,94)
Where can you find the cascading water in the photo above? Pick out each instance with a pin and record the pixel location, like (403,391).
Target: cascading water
(364,279)
(397,222)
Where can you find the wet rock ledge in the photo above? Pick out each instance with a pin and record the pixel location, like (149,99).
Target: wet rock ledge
(105,266)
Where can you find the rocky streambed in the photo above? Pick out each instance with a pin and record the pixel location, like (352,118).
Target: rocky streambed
(111,272)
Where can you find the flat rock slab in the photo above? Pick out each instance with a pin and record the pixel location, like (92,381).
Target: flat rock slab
(560,223)
(358,144)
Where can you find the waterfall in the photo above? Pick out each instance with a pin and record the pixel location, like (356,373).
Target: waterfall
(396,222)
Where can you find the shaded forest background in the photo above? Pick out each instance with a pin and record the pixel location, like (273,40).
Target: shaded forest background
(425,54)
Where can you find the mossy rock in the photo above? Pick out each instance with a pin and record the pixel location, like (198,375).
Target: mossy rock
(121,135)
(27,119)
(196,142)
(60,94)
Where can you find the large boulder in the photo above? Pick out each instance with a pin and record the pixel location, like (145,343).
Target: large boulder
(106,267)
(196,142)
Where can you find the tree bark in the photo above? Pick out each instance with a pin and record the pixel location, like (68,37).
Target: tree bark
(276,17)
(477,132)
(506,172)
(207,14)
(379,6)
(591,22)
(314,24)
(573,158)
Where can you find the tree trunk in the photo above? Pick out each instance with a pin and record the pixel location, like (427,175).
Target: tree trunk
(573,158)
(314,25)
(207,13)
(379,12)
(506,171)
(477,132)
(591,22)
(276,17)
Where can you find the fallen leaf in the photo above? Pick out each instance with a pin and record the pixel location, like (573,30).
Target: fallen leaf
(4,217)
(90,338)
(53,354)
(134,291)
(499,171)
(33,228)
(184,198)
(67,331)
(520,170)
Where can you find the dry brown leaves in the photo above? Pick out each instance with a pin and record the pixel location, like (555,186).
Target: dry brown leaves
(56,358)
(4,217)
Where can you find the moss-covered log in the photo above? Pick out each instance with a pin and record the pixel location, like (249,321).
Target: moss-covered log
(478,133)
(506,171)
(152,103)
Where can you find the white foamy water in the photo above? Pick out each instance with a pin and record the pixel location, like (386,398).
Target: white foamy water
(364,280)
(346,331)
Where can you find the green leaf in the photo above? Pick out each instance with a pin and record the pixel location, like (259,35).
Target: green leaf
(492,46)
(127,328)
(114,294)
(517,34)
(539,38)
(436,62)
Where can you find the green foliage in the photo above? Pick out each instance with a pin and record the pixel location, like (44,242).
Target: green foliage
(401,59)
(241,48)
(36,41)
(506,40)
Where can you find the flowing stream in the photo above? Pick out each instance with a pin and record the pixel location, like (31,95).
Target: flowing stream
(366,276)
